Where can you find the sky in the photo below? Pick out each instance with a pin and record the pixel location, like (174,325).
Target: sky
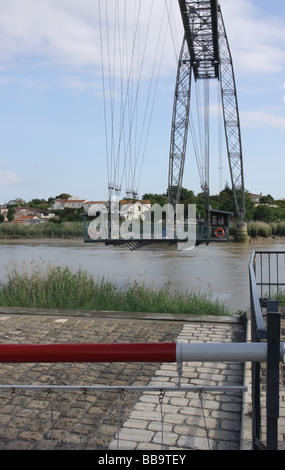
(56,135)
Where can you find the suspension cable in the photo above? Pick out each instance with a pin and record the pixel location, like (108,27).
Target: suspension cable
(136,183)
(125,32)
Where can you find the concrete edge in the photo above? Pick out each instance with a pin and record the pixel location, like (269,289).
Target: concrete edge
(119,314)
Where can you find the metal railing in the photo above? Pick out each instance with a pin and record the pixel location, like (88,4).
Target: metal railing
(266,278)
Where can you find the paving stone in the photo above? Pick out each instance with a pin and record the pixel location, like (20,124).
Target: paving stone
(71,421)
(184,413)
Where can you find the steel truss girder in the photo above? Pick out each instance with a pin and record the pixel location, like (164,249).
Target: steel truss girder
(205,52)
(200,24)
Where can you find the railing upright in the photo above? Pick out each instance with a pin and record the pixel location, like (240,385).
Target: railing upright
(270,333)
(272,376)
(258,332)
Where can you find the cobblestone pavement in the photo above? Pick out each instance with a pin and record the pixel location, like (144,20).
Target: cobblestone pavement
(189,420)
(74,420)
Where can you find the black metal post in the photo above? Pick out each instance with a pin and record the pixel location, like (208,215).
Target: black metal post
(272,381)
(258,332)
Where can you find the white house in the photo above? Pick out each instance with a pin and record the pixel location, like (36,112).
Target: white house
(255,197)
(100,205)
(134,208)
(72,202)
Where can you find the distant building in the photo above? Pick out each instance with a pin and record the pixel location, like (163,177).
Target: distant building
(31,216)
(72,202)
(26,219)
(15,202)
(88,204)
(134,208)
(41,214)
(255,197)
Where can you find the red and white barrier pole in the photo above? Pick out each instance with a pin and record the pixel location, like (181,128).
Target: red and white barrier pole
(136,352)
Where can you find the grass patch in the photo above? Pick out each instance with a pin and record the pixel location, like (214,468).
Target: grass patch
(60,288)
(281,298)
(274,296)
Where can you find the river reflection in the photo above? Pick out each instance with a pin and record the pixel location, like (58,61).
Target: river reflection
(220,270)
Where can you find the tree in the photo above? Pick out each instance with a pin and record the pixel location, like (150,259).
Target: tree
(160,199)
(63,196)
(263,213)
(37,202)
(10,214)
(266,199)
(249,207)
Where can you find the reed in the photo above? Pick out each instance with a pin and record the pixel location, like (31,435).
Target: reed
(43,230)
(263,229)
(280,229)
(259,229)
(60,288)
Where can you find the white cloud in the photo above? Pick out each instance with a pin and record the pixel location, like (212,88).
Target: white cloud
(67,33)
(64,31)
(47,31)
(262,119)
(257,38)
(7,178)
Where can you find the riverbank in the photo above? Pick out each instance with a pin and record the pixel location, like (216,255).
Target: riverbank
(80,241)
(61,288)
(41,240)
(48,230)
(220,269)
(75,230)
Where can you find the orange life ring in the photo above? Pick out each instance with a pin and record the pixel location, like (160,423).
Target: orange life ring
(92,232)
(219,232)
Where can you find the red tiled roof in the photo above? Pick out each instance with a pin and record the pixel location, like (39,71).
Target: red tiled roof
(134,201)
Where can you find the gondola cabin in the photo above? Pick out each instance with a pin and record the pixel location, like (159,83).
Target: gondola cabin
(216,229)
(213,229)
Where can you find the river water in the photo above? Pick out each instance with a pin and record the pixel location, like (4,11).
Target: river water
(219,270)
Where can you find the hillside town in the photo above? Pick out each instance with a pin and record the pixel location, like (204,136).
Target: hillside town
(17,211)
(22,213)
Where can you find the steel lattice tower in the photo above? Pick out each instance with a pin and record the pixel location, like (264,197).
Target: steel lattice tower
(206,55)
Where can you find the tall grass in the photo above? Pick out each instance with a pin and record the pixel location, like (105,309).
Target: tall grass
(259,229)
(278,229)
(281,297)
(43,230)
(60,288)
(263,229)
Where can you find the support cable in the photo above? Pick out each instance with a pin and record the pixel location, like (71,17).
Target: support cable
(204,418)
